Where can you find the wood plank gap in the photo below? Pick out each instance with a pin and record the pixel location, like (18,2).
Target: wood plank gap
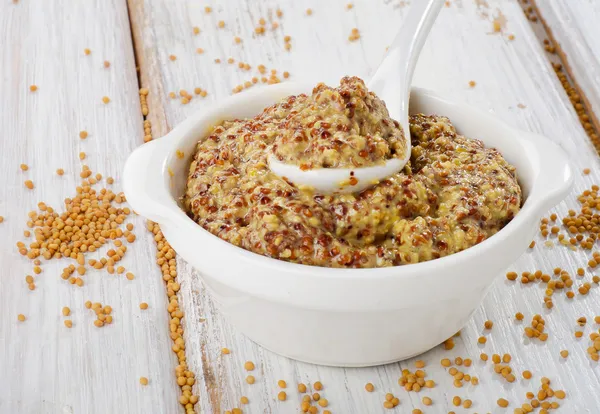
(560,63)
(188,403)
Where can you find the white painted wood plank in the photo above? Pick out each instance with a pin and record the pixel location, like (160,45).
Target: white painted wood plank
(514,80)
(45,367)
(574,25)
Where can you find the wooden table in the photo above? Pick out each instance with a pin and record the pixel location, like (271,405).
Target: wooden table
(47,368)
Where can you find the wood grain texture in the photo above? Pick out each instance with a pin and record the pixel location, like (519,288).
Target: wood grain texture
(576,31)
(514,80)
(45,367)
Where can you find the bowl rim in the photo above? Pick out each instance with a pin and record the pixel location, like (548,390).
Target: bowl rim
(529,209)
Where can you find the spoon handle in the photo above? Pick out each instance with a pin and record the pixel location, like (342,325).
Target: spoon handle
(392,80)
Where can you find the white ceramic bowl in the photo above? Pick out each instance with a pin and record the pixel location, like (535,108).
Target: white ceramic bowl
(345,317)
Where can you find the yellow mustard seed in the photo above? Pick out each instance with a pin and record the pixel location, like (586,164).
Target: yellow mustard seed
(143,380)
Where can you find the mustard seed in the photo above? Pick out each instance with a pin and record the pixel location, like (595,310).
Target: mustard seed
(250,379)
(318,386)
(21,317)
(105,99)
(249,366)
(302,388)
(33,88)
(143,380)
(369,387)
(502,402)
(143,305)
(282,396)
(68,323)
(66,311)
(225,351)
(427,401)
(281,384)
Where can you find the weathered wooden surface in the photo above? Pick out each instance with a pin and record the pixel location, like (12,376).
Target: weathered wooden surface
(45,367)
(514,80)
(574,26)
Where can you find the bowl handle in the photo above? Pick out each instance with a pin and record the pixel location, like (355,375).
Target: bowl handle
(555,175)
(145,183)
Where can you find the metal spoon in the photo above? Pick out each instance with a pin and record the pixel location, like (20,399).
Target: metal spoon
(391,83)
